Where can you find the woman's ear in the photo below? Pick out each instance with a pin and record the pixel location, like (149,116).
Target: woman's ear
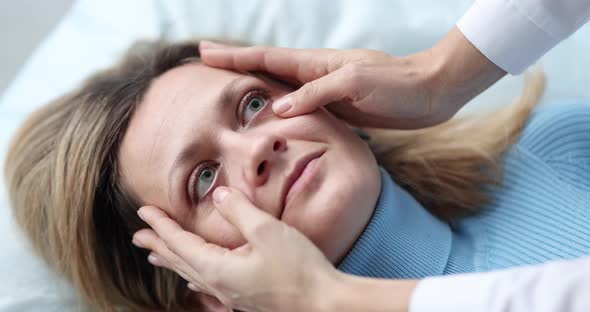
(212,304)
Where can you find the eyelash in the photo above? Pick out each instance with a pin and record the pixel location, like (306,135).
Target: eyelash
(257,92)
(252,93)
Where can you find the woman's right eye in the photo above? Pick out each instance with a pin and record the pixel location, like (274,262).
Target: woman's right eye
(252,103)
(205,180)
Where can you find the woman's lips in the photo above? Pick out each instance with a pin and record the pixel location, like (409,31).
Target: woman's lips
(307,175)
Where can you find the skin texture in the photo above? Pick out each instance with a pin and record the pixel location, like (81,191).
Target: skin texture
(180,109)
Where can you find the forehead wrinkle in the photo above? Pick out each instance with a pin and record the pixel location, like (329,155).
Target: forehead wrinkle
(159,134)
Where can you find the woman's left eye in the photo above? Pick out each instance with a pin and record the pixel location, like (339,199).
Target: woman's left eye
(253,105)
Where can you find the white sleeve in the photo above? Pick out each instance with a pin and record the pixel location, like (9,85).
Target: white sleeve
(555,286)
(516,33)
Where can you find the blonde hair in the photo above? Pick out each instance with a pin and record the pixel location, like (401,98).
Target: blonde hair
(447,167)
(62,177)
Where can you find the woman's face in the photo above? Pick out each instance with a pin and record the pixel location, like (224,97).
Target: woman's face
(200,127)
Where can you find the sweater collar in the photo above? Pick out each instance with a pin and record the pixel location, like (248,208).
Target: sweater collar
(402,239)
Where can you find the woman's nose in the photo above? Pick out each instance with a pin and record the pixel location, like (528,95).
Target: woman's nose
(263,152)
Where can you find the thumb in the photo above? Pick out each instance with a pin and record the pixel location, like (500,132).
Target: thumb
(250,220)
(320,92)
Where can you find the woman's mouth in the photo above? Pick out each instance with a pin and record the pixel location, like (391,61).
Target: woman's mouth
(304,172)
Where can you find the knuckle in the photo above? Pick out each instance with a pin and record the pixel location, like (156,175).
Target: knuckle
(353,81)
(310,91)
(334,62)
(364,56)
(266,56)
(256,50)
(352,70)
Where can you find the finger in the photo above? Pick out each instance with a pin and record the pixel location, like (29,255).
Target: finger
(331,88)
(159,261)
(161,256)
(302,65)
(194,287)
(206,44)
(148,239)
(202,288)
(251,221)
(176,239)
(167,228)
(243,250)
(214,302)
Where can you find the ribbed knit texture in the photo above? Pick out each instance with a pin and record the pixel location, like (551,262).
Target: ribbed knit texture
(540,212)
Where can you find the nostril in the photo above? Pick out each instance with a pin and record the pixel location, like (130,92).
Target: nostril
(276,146)
(260,169)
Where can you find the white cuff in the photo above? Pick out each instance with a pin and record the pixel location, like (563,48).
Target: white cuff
(554,286)
(452,294)
(505,35)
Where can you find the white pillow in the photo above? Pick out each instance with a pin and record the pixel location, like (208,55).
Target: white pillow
(90,36)
(95,33)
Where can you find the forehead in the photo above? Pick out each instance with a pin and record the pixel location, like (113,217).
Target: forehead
(179,85)
(177,104)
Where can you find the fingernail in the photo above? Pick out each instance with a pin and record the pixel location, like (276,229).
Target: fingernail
(281,105)
(220,193)
(153,259)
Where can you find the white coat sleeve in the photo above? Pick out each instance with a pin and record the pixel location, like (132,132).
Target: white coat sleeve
(555,286)
(515,33)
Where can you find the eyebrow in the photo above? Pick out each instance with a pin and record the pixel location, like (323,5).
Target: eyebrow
(227,96)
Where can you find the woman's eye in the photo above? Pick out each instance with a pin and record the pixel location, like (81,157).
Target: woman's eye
(205,180)
(253,106)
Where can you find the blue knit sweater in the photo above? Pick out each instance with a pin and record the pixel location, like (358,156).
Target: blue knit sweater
(541,211)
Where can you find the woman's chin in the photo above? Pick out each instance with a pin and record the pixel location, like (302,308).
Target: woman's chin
(332,213)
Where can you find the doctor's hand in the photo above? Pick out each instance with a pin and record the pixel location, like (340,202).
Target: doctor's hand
(279,269)
(369,88)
